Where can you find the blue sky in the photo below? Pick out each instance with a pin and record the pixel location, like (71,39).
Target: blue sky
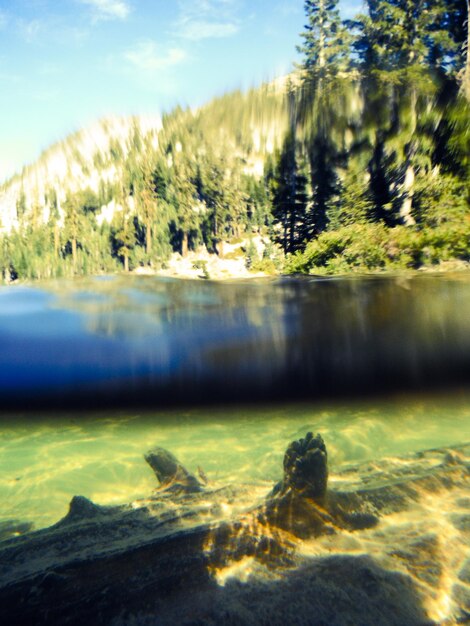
(65,63)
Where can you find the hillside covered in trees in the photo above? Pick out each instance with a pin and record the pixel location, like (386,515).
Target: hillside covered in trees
(358,161)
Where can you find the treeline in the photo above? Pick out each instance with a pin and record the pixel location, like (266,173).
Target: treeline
(201,185)
(359,162)
(374,173)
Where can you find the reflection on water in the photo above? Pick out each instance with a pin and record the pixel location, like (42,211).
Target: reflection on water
(148,340)
(43,463)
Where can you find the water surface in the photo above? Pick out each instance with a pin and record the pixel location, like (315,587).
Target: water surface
(152,341)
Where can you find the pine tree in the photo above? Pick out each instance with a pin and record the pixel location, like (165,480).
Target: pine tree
(405,48)
(54,218)
(459,11)
(183,195)
(326,43)
(258,205)
(73,226)
(6,269)
(123,233)
(354,203)
(212,193)
(234,199)
(147,203)
(21,205)
(401,40)
(289,197)
(323,110)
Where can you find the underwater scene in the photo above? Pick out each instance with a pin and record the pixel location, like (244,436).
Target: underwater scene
(192,452)
(43,463)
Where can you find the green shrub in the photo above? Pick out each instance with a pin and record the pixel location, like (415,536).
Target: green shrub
(251,255)
(264,265)
(351,248)
(234,254)
(373,247)
(406,248)
(201,264)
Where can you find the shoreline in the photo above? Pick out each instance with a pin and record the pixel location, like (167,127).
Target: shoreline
(233,269)
(221,269)
(201,265)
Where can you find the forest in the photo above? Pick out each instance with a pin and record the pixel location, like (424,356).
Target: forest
(358,161)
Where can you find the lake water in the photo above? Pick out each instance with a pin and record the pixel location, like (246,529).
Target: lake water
(379,366)
(43,463)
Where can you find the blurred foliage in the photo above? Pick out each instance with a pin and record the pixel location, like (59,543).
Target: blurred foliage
(359,161)
(393,172)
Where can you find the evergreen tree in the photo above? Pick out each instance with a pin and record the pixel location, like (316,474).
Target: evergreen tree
(73,226)
(54,219)
(354,203)
(459,11)
(401,40)
(258,204)
(381,136)
(322,114)
(123,231)
(7,271)
(211,192)
(326,43)
(183,195)
(404,47)
(88,200)
(234,199)
(35,219)
(289,196)
(147,203)
(21,205)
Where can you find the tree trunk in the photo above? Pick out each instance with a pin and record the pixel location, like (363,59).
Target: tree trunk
(465,87)
(407,205)
(184,245)
(148,238)
(74,254)
(126,261)
(56,240)
(284,228)
(410,174)
(321,56)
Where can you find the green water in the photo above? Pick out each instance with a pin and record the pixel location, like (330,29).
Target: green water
(43,463)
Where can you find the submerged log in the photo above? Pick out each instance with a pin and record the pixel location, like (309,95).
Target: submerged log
(301,503)
(99,563)
(306,468)
(170,473)
(14,528)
